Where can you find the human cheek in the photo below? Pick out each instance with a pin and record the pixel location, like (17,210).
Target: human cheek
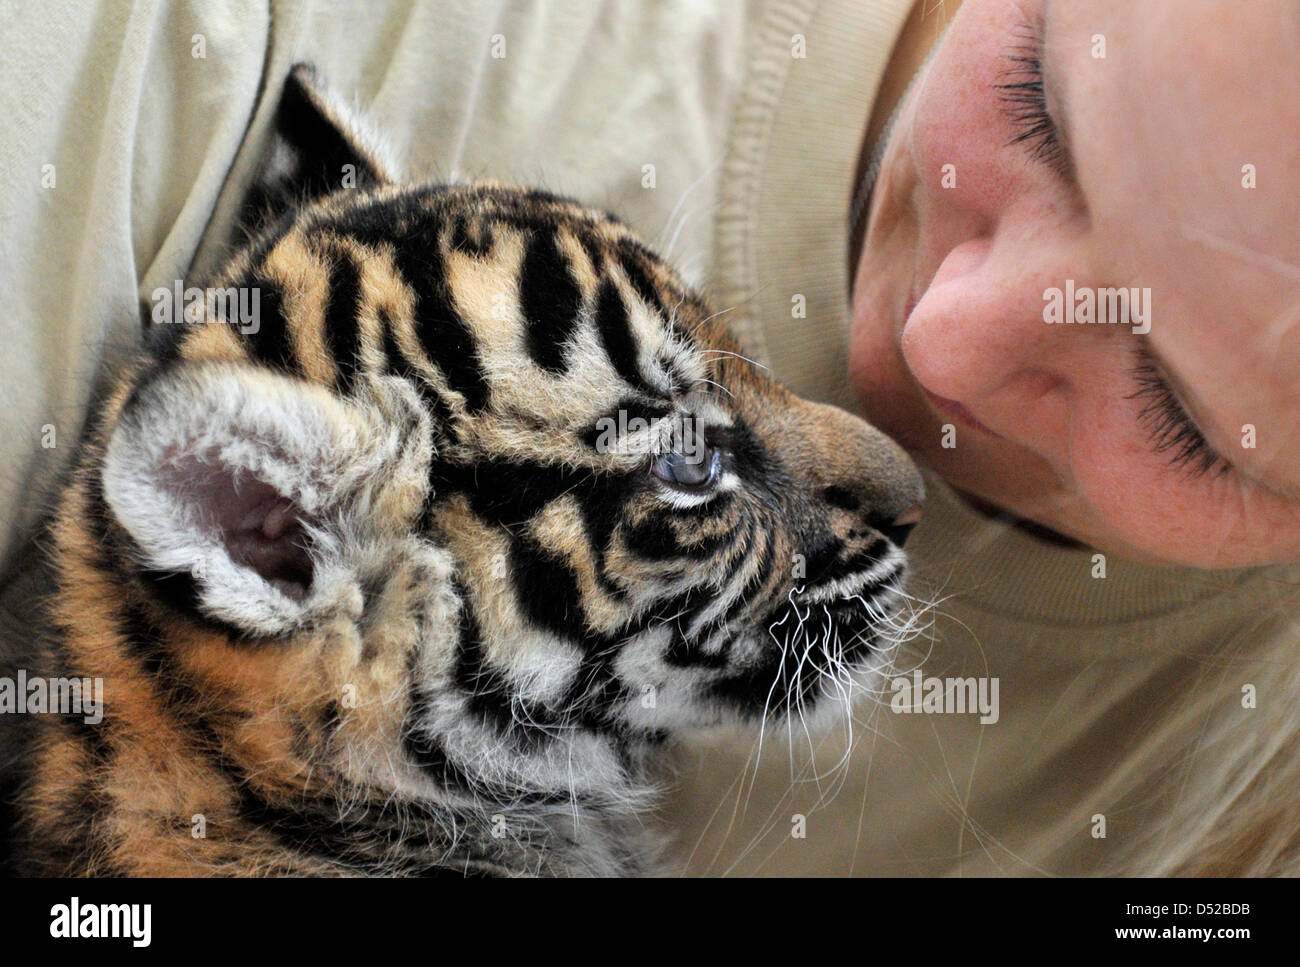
(1167,512)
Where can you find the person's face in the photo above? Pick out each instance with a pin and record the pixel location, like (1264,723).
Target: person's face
(1180,445)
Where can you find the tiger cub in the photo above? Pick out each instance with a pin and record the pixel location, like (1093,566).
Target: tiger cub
(418,574)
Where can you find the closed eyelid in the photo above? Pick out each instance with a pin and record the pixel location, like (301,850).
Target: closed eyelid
(1168,420)
(1218,444)
(1023,92)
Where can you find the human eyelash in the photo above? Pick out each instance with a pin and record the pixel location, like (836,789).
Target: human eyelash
(1170,426)
(1025,101)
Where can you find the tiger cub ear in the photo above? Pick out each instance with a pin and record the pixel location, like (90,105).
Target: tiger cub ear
(270,499)
(319,145)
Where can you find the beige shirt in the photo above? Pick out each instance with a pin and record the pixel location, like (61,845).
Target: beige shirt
(726,133)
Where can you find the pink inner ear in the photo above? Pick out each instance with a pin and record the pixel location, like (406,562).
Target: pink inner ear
(261,529)
(271,539)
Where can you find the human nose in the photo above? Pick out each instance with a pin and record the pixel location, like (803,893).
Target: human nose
(978,327)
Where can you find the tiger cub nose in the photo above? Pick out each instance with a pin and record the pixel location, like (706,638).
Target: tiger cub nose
(898,528)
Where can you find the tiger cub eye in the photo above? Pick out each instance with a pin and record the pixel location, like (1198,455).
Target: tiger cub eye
(695,471)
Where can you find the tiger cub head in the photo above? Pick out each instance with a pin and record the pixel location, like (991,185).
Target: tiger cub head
(482,489)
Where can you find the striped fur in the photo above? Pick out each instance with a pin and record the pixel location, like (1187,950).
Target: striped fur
(368,596)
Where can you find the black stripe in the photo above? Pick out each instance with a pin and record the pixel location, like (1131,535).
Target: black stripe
(591,245)
(750,458)
(407,225)
(475,242)
(758,577)
(656,539)
(508,492)
(686,654)
(368,838)
(861,560)
(599,518)
(616,336)
(101,526)
(399,366)
(442,332)
(362,837)
(342,322)
(271,343)
(596,692)
(177,589)
(684,606)
(146,643)
(395,220)
(331,719)
(546,590)
(490,696)
(641,281)
(430,755)
(84,835)
(630,408)
(550,299)
(95,738)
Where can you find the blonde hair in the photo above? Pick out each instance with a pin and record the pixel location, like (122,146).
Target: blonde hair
(1238,809)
